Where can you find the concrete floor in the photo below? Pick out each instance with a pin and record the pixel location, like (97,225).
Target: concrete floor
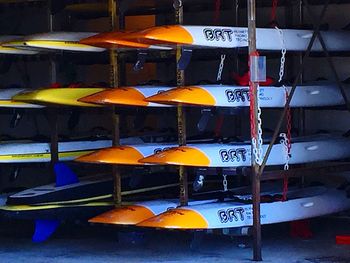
(86,243)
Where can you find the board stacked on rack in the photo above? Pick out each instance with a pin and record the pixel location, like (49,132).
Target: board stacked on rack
(313,95)
(301,204)
(307,149)
(232,37)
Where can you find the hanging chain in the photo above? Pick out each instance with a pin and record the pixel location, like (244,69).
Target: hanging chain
(260,140)
(285,144)
(283,53)
(257,140)
(224,182)
(221,67)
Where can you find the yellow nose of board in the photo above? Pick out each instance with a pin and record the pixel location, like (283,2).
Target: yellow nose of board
(184,155)
(187,95)
(125,215)
(118,96)
(178,218)
(114,155)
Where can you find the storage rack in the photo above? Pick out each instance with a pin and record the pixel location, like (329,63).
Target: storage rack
(256,170)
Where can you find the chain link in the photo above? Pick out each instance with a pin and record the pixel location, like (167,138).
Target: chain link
(224,182)
(221,67)
(257,140)
(285,143)
(283,53)
(177,4)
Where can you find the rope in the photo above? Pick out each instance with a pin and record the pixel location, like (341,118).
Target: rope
(217,11)
(273,18)
(218,126)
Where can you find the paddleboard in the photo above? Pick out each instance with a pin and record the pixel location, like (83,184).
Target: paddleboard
(137,212)
(58,96)
(67,41)
(7,102)
(314,95)
(301,204)
(77,211)
(87,190)
(235,37)
(304,150)
(317,95)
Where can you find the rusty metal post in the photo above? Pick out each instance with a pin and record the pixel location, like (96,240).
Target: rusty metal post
(114,82)
(181,114)
(52,112)
(255,166)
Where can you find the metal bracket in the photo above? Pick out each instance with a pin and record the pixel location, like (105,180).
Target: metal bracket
(186,55)
(141,60)
(204,120)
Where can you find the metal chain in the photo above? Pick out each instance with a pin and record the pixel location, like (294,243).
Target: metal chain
(285,143)
(283,52)
(257,140)
(221,67)
(224,182)
(260,140)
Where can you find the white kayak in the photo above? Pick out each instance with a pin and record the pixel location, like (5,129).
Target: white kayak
(301,204)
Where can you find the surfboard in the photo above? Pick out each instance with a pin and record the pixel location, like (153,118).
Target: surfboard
(7,102)
(235,37)
(57,96)
(304,150)
(114,40)
(316,95)
(128,96)
(67,41)
(304,203)
(137,212)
